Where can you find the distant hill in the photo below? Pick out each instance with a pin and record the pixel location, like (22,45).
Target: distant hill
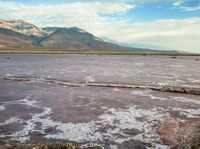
(77,39)
(18,34)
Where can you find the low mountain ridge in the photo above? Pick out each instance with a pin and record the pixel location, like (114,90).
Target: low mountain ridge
(18,34)
(76,39)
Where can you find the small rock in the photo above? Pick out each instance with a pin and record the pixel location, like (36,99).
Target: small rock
(35,135)
(132,132)
(50,130)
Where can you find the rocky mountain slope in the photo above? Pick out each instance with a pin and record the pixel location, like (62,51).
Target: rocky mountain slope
(13,40)
(18,34)
(23,27)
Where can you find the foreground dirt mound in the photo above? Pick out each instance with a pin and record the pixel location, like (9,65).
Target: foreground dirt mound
(44,146)
(194,139)
(179,135)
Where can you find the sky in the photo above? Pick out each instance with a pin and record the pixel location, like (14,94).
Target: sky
(155,24)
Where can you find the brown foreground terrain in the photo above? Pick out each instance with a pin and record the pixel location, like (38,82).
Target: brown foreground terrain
(183,137)
(44,146)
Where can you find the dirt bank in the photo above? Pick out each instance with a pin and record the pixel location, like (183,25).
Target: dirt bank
(180,135)
(44,146)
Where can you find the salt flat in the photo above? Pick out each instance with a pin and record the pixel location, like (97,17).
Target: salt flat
(35,110)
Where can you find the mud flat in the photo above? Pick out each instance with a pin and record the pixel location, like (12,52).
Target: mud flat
(117,102)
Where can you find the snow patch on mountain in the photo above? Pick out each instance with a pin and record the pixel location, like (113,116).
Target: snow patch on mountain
(23,27)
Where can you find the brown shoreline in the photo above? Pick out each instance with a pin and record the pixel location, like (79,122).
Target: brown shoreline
(94,52)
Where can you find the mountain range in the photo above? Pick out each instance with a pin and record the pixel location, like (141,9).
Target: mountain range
(21,35)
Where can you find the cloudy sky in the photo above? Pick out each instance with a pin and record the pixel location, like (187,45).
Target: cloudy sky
(158,24)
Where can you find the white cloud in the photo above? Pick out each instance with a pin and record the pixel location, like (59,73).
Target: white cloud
(181,5)
(178,3)
(139,1)
(190,8)
(69,14)
(170,34)
(16,9)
